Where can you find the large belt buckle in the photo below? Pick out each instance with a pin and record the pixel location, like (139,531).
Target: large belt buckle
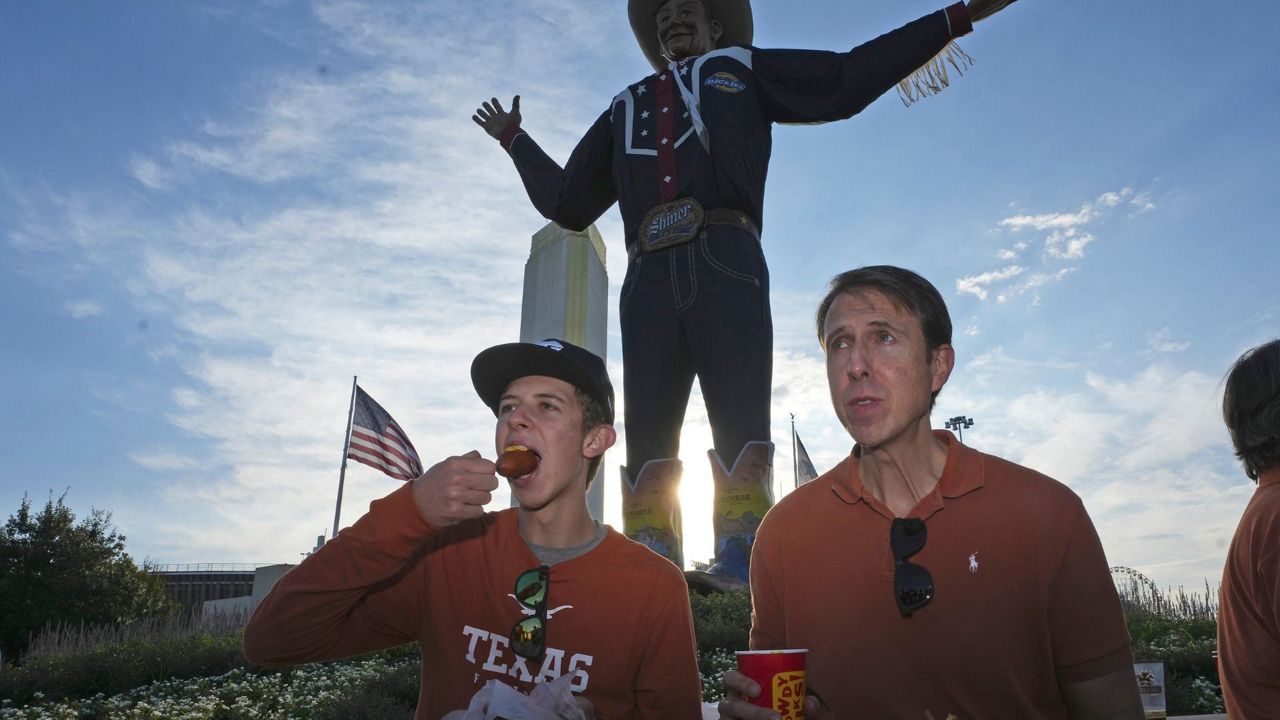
(668,224)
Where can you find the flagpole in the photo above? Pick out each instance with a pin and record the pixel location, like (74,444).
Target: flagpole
(795,462)
(346,445)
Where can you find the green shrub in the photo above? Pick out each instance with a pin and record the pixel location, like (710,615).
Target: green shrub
(712,664)
(392,694)
(75,638)
(1179,629)
(55,570)
(721,620)
(112,669)
(722,624)
(306,691)
(1175,628)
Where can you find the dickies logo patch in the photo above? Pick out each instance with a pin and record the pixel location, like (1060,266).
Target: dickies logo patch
(725,82)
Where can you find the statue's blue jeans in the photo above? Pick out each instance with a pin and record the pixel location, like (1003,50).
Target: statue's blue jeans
(698,309)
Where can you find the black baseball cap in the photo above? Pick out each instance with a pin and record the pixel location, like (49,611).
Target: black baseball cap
(497,367)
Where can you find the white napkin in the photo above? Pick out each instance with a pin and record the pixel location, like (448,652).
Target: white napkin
(499,701)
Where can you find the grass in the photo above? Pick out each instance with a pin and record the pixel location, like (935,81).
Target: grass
(78,661)
(73,639)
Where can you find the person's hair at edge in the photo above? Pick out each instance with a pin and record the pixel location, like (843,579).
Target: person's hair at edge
(907,290)
(593,414)
(1251,408)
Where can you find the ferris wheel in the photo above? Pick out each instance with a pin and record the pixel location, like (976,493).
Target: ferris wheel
(1126,578)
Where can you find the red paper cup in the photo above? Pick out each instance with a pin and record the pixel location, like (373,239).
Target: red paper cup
(780,675)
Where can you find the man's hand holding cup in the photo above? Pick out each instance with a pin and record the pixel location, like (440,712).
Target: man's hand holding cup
(769,685)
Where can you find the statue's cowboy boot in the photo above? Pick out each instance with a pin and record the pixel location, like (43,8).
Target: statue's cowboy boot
(743,495)
(651,508)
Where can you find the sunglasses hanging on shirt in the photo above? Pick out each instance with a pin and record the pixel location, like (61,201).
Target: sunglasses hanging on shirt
(529,636)
(912,583)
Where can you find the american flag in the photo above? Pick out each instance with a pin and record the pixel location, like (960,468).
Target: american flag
(377,441)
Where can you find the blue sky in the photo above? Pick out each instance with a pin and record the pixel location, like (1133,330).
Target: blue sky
(213,215)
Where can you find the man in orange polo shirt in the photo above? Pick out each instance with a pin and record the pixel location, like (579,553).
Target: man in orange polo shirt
(1249,608)
(927,579)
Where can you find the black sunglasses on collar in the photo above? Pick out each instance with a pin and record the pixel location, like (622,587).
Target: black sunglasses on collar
(912,583)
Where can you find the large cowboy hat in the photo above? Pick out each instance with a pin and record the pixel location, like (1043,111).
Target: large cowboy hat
(734,17)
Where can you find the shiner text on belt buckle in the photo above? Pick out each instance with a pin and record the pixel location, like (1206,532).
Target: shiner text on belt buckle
(673,223)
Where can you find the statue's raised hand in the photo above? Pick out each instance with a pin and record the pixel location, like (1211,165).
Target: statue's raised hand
(982,9)
(494,119)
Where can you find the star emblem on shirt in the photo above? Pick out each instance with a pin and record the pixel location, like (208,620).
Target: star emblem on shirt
(644,133)
(644,115)
(640,90)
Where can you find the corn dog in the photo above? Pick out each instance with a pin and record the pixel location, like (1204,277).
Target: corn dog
(517,461)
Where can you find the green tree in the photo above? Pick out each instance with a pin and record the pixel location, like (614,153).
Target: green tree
(56,571)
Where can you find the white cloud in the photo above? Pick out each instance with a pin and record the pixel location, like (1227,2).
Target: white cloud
(1178,411)
(1087,213)
(396,254)
(1159,341)
(1012,253)
(1048,221)
(163,460)
(1068,244)
(1066,239)
(977,284)
(82,308)
(1146,452)
(1142,202)
(1111,199)
(800,388)
(149,173)
(1032,281)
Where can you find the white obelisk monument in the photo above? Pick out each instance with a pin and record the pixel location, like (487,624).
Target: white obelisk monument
(566,296)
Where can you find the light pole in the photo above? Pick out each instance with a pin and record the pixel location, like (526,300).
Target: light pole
(959,423)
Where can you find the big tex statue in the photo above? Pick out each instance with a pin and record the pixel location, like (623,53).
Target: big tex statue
(684,152)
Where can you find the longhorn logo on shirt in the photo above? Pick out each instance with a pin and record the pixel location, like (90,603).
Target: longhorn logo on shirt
(725,82)
(530,611)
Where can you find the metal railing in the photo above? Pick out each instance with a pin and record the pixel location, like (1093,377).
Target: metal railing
(205,567)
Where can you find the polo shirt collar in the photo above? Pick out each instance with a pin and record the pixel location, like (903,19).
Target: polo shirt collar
(963,473)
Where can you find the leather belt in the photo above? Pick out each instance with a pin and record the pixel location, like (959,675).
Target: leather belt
(717,216)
